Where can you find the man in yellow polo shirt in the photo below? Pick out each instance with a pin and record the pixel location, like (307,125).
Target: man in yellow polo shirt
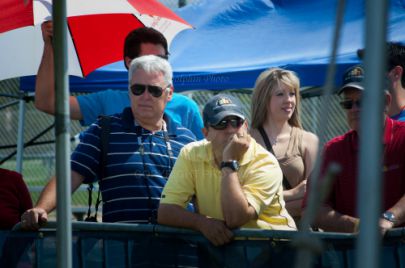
(235,181)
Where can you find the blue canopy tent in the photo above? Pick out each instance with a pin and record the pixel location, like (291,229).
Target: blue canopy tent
(235,40)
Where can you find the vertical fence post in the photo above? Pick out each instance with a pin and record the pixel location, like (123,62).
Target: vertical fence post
(62,135)
(371,133)
(20,135)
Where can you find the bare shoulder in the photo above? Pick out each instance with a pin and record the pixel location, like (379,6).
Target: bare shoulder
(310,140)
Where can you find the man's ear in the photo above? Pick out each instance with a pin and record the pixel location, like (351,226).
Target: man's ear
(127,61)
(388,99)
(170,93)
(396,73)
(246,124)
(205,131)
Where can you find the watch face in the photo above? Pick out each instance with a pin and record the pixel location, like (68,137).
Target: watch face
(235,165)
(389,216)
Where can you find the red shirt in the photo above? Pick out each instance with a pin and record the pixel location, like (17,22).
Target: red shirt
(344,150)
(14,198)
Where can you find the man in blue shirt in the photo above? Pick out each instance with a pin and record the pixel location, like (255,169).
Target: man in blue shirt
(86,108)
(395,79)
(143,145)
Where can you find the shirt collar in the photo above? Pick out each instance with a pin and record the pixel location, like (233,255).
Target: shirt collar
(388,135)
(128,122)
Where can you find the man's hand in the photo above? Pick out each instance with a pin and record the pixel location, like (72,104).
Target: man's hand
(238,144)
(385,225)
(47,31)
(33,219)
(215,231)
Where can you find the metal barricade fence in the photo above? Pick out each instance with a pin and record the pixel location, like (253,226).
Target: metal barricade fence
(138,245)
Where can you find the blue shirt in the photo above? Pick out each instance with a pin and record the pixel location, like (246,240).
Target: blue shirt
(400,116)
(181,109)
(138,165)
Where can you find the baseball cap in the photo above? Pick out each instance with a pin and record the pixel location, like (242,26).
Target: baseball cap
(220,106)
(353,78)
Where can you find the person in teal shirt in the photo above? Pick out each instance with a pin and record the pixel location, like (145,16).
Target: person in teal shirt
(181,109)
(86,108)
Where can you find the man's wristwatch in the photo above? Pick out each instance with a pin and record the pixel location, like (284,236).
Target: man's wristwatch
(389,216)
(232,164)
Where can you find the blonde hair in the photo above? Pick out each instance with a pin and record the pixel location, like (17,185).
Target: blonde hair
(265,84)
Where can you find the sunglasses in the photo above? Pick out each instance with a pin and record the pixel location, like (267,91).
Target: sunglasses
(348,104)
(223,124)
(165,57)
(155,91)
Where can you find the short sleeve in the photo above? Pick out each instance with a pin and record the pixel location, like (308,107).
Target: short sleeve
(90,107)
(262,183)
(186,112)
(179,188)
(85,158)
(107,102)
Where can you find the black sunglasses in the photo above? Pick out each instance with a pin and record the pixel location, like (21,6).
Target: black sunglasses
(165,57)
(155,91)
(223,124)
(348,104)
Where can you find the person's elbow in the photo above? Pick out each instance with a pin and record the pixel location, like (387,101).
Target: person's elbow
(235,222)
(164,213)
(238,219)
(44,106)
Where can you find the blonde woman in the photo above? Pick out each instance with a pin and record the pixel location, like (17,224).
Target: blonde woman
(276,125)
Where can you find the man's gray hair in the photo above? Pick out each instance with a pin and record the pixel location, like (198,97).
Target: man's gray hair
(151,64)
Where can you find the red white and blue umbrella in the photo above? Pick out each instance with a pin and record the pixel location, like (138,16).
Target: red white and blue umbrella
(97,30)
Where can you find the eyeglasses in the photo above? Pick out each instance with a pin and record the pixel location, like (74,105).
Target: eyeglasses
(223,124)
(165,57)
(348,104)
(155,91)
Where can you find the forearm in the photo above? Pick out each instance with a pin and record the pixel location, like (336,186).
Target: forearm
(294,207)
(235,207)
(47,199)
(174,215)
(296,193)
(289,195)
(45,85)
(213,229)
(330,220)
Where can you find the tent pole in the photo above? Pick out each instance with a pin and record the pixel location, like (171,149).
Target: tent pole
(62,135)
(369,184)
(20,134)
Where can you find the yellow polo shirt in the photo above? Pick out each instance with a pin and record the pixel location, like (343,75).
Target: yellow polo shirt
(260,176)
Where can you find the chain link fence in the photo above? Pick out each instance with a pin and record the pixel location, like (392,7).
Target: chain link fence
(39,153)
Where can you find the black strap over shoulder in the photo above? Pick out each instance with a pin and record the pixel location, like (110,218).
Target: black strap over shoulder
(266,140)
(105,124)
(286,184)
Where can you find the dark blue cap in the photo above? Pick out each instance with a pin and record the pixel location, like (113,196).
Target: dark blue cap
(353,78)
(220,106)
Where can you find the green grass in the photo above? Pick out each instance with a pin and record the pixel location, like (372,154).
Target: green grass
(36,172)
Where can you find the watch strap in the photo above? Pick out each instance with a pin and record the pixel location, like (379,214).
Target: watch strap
(232,164)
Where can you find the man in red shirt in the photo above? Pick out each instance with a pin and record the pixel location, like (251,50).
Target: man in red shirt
(15,198)
(339,211)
